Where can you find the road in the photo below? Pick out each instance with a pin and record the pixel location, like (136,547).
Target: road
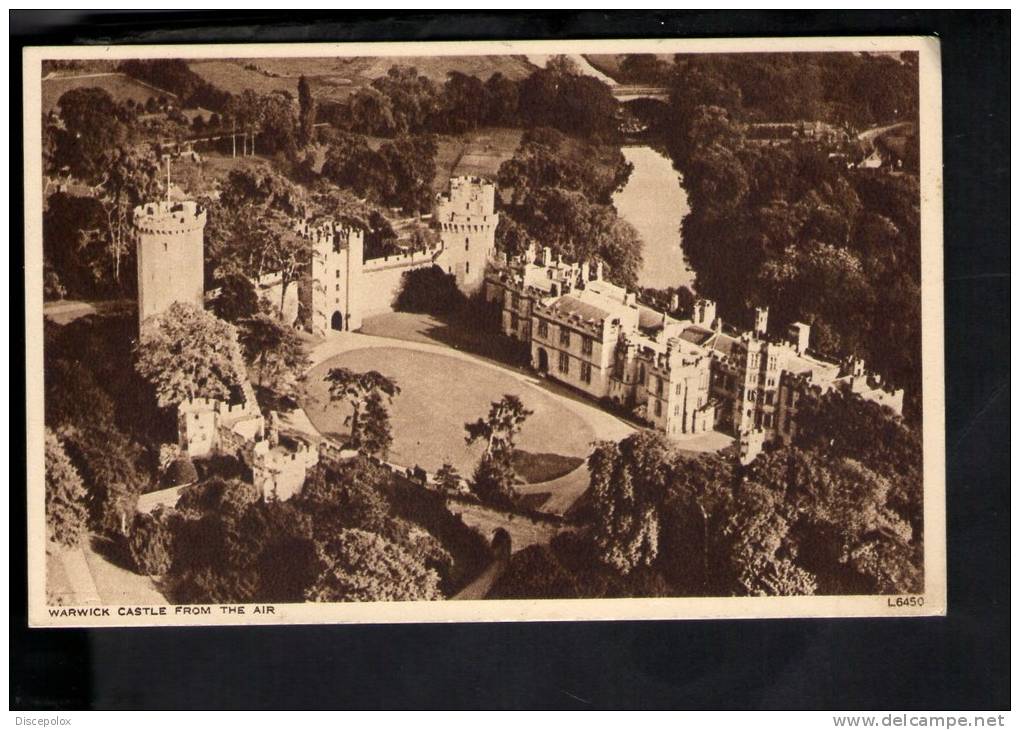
(868,136)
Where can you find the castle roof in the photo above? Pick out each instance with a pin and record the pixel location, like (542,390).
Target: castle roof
(696,335)
(649,319)
(571,305)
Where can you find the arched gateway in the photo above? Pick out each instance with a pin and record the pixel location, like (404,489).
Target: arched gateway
(337,321)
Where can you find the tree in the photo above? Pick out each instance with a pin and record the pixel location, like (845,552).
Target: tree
(175,466)
(66,508)
(187,353)
(582,231)
(250,229)
(841,520)
(274,354)
(511,237)
(151,544)
(237,298)
(628,481)
(502,96)
(364,566)
(465,102)
(96,145)
(494,477)
(448,479)
(643,68)
(232,547)
(499,429)
(430,290)
(493,480)
(93,132)
(376,434)
(357,389)
(306,112)
(345,494)
(411,164)
(759,548)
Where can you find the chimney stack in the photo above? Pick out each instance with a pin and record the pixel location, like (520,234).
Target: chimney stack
(761,321)
(800,333)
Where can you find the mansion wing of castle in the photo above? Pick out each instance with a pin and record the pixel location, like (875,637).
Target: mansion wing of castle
(681,375)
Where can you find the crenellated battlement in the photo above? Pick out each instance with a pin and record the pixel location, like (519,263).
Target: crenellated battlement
(412,258)
(169,218)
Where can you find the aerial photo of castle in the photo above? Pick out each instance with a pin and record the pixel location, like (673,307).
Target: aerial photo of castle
(494,327)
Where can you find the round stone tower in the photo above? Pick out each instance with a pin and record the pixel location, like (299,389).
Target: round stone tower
(171,265)
(467,223)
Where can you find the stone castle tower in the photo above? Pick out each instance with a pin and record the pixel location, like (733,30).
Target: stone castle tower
(467,223)
(334,292)
(171,267)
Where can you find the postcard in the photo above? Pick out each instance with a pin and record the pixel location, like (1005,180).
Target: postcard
(478,331)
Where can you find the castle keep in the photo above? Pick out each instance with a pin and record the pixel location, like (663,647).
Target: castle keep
(171,259)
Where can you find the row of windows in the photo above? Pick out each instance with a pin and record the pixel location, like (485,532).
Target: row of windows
(564,367)
(587,343)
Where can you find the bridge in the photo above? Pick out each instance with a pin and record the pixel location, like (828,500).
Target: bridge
(630,92)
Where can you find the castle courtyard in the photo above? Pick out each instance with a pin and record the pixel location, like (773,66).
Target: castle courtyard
(439,394)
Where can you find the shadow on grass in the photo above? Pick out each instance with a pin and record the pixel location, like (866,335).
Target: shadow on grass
(543,467)
(533,501)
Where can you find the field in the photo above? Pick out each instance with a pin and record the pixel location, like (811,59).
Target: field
(479,152)
(439,394)
(475,153)
(119,86)
(336,78)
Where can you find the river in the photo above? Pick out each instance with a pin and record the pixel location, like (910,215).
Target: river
(654,202)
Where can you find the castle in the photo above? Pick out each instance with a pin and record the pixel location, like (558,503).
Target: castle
(681,375)
(343,287)
(339,290)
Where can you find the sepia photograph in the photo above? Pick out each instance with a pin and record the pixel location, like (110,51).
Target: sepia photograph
(407,332)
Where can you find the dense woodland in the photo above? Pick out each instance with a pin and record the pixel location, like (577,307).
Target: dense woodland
(783,226)
(788,226)
(829,515)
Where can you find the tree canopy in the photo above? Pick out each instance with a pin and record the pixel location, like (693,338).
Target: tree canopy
(66,510)
(188,353)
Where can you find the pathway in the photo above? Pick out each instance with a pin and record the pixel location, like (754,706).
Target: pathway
(82,587)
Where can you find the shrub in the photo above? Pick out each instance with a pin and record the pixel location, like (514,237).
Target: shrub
(151,544)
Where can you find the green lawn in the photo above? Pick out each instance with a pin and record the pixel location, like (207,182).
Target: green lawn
(438,396)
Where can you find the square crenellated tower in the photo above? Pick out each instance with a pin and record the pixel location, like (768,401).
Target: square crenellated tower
(467,224)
